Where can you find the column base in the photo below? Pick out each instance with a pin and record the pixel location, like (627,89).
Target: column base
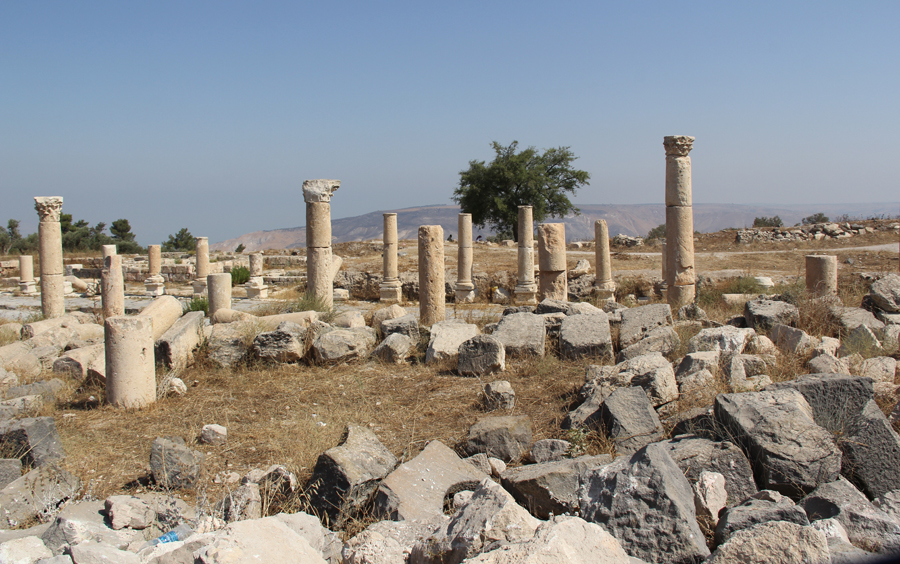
(391,292)
(154,289)
(526,293)
(257,292)
(604,294)
(28,288)
(678,296)
(465,292)
(200,290)
(553,286)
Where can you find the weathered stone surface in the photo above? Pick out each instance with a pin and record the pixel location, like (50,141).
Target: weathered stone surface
(694,455)
(522,334)
(323,541)
(379,316)
(35,440)
(761,314)
(849,318)
(762,507)
(95,553)
(343,345)
(83,363)
(285,344)
(406,325)
(508,438)
(416,489)
(889,503)
(481,355)
(585,335)
(726,339)
(173,464)
(389,542)
(710,495)
(630,420)
(663,340)
(650,485)
(550,488)
(549,450)
(229,343)
(349,319)
(885,293)
(213,434)
(638,321)
(175,348)
(774,543)
(26,550)
(867,527)
(826,363)
(38,493)
(129,511)
(860,339)
(266,540)
(86,521)
(697,361)
(446,337)
(10,471)
(835,399)
(490,516)
(244,502)
(872,452)
(394,349)
(790,453)
(499,394)
(345,477)
(879,369)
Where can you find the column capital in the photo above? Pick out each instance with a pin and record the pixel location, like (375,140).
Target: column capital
(48,208)
(678,145)
(319,190)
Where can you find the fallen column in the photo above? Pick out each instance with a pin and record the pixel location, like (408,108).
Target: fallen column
(163,311)
(526,288)
(431,275)
(681,289)
(130,370)
(552,262)
(112,287)
(390,289)
(50,240)
(604,286)
(155,284)
(319,268)
(465,288)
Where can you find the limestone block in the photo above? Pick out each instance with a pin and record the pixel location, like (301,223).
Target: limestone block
(219,289)
(431,274)
(821,274)
(553,285)
(481,355)
(163,312)
(776,542)
(175,348)
(630,420)
(37,493)
(507,437)
(318,224)
(174,465)
(551,238)
(522,334)
(130,370)
(586,335)
(394,348)
(343,345)
(83,363)
(638,321)
(499,394)
(445,341)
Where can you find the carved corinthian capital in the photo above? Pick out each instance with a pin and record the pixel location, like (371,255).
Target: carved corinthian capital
(678,145)
(319,190)
(49,207)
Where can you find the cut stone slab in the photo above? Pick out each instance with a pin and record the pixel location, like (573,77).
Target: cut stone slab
(394,349)
(761,314)
(229,343)
(872,452)
(173,464)
(630,420)
(405,325)
(648,484)
(586,335)
(446,338)
(416,489)
(694,455)
(34,440)
(726,339)
(266,540)
(885,293)
(129,511)
(499,394)
(508,438)
(522,334)
(176,347)
(789,451)
(638,321)
(762,507)
(774,543)
(346,476)
(481,355)
(287,343)
(343,345)
(663,340)
(39,493)
(83,363)
(550,488)
(549,450)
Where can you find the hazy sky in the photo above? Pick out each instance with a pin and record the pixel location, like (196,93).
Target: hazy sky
(209,115)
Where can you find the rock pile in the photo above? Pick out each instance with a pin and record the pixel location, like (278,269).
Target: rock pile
(815,232)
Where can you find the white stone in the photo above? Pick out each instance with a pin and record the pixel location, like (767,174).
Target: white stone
(213,434)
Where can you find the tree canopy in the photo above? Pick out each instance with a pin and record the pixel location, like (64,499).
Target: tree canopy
(181,241)
(815,218)
(764,221)
(493,192)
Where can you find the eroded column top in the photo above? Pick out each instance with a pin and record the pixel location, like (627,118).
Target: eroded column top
(319,190)
(678,145)
(48,207)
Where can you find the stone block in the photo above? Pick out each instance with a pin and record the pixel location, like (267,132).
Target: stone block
(550,488)
(761,314)
(508,438)
(406,325)
(343,345)
(763,507)
(173,464)
(481,355)
(630,420)
(663,340)
(522,334)
(285,344)
(638,321)
(499,394)
(446,338)
(394,349)
(35,441)
(175,348)
(585,335)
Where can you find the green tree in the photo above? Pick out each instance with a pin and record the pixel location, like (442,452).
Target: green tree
(493,192)
(815,218)
(121,230)
(181,241)
(10,236)
(240,248)
(658,232)
(774,221)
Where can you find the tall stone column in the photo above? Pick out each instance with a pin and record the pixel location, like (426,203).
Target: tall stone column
(256,286)
(552,262)
(465,288)
(390,288)
(155,284)
(201,268)
(112,287)
(319,268)
(822,275)
(679,222)
(219,288)
(431,274)
(604,286)
(108,250)
(26,274)
(526,288)
(130,370)
(53,302)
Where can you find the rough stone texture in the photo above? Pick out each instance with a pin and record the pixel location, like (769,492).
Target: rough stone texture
(710,495)
(345,477)
(129,511)
(630,420)
(650,485)
(446,338)
(26,550)
(416,489)
(835,399)
(388,542)
(725,339)
(228,343)
(38,493)
(94,553)
(549,450)
(889,503)
(508,438)
(872,452)
(849,318)
(789,451)
(83,363)
(285,344)
(310,528)
(650,371)
(266,540)
(638,321)
(774,543)
(213,434)
(244,502)
(826,363)
(550,488)
(694,455)
(379,316)
(175,348)
(499,394)
(35,441)
(663,340)
(407,325)
(522,334)
(586,335)
(762,314)
(491,516)
(885,293)
(10,471)
(697,361)
(762,507)
(173,464)
(394,348)
(432,297)
(163,312)
(342,345)
(481,355)
(879,369)
(867,527)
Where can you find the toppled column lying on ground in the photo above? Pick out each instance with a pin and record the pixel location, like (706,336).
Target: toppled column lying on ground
(821,275)
(604,286)
(256,286)
(50,240)
(319,268)
(155,284)
(552,261)
(201,268)
(681,289)
(390,288)
(465,288)
(431,274)
(526,288)
(112,287)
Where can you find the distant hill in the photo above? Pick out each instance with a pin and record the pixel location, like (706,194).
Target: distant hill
(635,219)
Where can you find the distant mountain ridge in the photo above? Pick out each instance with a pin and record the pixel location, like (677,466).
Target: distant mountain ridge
(630,219)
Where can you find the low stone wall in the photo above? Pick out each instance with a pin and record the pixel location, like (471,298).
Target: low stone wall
(815,232)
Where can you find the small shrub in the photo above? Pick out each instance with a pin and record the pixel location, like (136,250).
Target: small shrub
(310,302)
(764,221)
(815,218)
(239,275)
(658,232)
(199,304)
(240,248)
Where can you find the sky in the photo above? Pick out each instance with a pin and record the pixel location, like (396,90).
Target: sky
(209,115)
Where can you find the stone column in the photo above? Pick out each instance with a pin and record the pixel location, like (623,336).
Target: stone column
(53,302)
(821,275)
(552,262)
(112,287)
(256,286)
(219,290)
(526,288)
(680,276)
(155,284)
(26,274)
(201,268)
(319,269)
(431,274)
(108,250)
(465,288)
(604,286)
(390,289)
(130,370)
